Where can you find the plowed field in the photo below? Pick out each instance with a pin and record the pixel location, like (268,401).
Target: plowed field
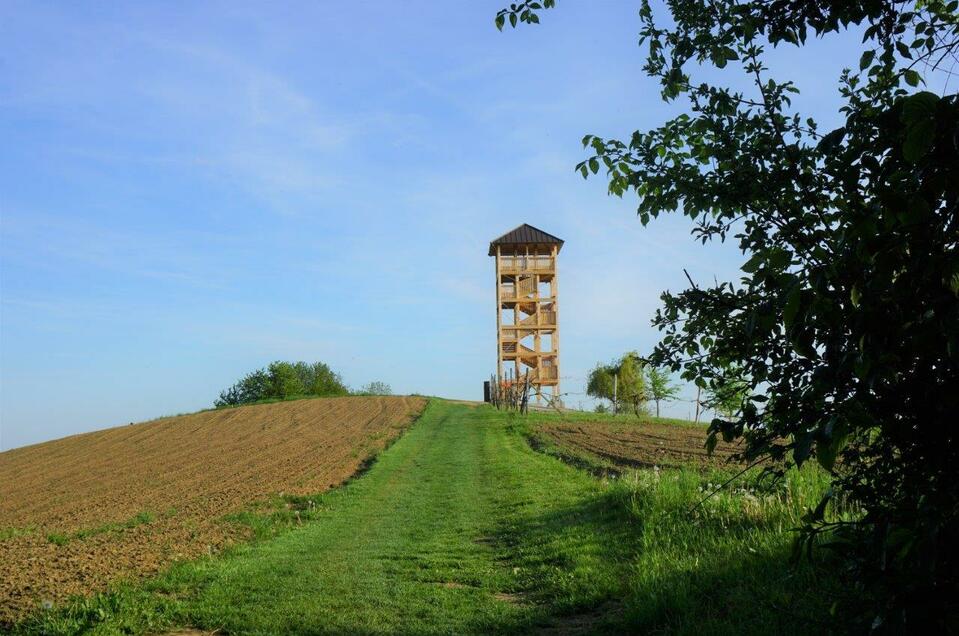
(635,444)
(82,511)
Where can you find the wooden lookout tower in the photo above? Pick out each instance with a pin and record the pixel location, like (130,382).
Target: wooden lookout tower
(527,329)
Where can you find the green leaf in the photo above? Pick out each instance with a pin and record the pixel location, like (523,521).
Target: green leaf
(826,453)
(919,139)
(792,306)
(833,139)
(512,20)
(919,106)
(779,258)
(820,510)
(913,211)
(500,21)
(711,443)
(802,346)
(594,165)
(753,263)
(801,448)
(912,77)
(866,60)
(854,296)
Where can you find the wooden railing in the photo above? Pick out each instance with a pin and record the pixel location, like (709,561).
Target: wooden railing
(525,288)
(544,373)
(548,373)
(542,319)
(526,263)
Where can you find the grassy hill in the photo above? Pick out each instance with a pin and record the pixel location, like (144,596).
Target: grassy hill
(461,526)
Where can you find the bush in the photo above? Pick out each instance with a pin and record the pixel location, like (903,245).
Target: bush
(376,388)
(282,380)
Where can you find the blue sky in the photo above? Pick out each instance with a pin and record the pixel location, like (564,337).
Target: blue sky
(191,190)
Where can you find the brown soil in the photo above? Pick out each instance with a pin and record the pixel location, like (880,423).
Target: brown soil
(129,501)
(637,444)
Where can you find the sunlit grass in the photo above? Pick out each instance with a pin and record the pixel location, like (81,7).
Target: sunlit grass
(461,527)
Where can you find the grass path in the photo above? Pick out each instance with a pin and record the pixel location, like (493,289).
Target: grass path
(458,528)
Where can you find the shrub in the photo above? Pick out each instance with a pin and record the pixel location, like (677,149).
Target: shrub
(282,380)
(376,388)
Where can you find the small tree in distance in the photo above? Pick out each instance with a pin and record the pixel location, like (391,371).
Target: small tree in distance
(599,383)
(632,383)
(727,394)
(377,388)
(622,382)
(660,388)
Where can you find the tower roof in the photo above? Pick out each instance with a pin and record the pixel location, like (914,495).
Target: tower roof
(525,234)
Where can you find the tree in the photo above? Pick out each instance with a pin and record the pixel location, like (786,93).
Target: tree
(727,394)
(229,397)
(324,381)
(845,322)
(622,382)
(632,383)
(599,382)
(660,388)
(282,380)
(254,386)
(377,388)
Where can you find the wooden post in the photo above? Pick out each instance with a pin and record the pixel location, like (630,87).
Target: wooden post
(554,290)
(499,321)
(698,391)
(615,400)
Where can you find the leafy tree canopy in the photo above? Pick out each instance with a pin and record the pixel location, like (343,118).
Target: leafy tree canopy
(281,380)
(844,327)
(660,387)
(622,381)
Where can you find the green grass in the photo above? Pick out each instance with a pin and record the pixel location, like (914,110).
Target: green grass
(141,518)
(625,419)
(10,532)
(461,527)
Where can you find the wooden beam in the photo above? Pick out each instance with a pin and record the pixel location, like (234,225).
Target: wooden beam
(499,320)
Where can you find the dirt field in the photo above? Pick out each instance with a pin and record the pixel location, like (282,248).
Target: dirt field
(79,512)
(635,444)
